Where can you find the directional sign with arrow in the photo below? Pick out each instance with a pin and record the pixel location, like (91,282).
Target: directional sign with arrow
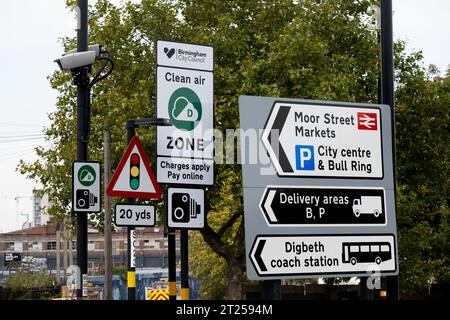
(324,140)
(290,206)
(294,255)
(319,201)
(134,177)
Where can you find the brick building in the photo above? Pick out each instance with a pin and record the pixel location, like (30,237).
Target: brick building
(41,242)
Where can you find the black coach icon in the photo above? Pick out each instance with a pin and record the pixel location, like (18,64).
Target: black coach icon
(366,252)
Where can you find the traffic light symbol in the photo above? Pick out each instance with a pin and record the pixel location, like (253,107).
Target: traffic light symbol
(135,162)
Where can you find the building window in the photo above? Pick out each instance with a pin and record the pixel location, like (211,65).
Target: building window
(9,246)
(151,244)
(34,246)
(51,245)
(91,245)
(115,247)
(74,245)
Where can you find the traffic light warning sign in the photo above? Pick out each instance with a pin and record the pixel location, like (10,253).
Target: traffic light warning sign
(134,177)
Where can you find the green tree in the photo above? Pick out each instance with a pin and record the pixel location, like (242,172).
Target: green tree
(423,140)
(311,49)
(30,283)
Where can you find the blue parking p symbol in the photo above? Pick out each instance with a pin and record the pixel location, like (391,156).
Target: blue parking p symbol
(304,157)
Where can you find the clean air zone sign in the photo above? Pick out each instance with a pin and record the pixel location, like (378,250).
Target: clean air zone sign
(324,141)
(185,93)
(186,98)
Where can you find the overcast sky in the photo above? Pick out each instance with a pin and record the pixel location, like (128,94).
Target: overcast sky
(29,32)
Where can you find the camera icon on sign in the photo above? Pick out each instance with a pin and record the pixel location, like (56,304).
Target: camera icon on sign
(85,199)
(184,207)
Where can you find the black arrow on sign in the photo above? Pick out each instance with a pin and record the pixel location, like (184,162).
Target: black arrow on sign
(278,125)
(257,255)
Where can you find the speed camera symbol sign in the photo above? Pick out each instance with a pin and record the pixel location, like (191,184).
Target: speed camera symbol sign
(186,208)
(86,186)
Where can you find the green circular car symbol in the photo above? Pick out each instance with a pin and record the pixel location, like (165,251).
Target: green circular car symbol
(86,175)
(185,109)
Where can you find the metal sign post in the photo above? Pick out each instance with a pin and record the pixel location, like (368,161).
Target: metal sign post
(388,98)
(83,120)
(131,237)
(134,178)
(185,94)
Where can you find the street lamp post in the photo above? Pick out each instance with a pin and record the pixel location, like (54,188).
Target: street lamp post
(388,97)
(80,63)
(83,118)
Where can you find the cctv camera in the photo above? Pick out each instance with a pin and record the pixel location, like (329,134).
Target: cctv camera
(75,60)
(97,48)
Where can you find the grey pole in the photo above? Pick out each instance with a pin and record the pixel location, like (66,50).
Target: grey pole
(65,242)
(107,235)
(82,134)
(58,252)
(69,236)
(387,97)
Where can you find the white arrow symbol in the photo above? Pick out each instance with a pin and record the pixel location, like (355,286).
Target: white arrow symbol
(268,206)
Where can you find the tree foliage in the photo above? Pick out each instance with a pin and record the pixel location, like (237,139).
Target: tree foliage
(311,49)
(27,284)
(423,140)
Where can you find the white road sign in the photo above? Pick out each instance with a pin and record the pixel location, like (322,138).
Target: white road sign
(86,179)
(321,254)
(324,140)
(185,55)
(186,208)
(330,210)
(134,215)
(185,95)
(186,98)
(183,170)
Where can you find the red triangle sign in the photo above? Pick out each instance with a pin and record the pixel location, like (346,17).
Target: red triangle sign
(134,177)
